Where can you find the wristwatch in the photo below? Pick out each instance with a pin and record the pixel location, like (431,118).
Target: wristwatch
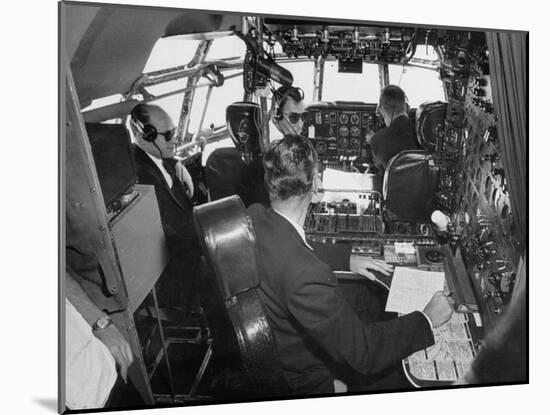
(102,323)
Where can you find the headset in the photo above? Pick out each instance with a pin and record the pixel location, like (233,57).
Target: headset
(281,97)
(148,132)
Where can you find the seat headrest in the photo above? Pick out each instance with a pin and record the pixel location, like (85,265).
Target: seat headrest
(229,243)
(244,126)
(430,123)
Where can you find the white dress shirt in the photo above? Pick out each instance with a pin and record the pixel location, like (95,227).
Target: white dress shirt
(90,371)
(165,174)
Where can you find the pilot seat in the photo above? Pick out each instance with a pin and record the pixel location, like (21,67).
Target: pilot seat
(239,170)
(409,187)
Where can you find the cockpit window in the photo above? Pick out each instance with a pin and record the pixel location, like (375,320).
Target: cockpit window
(231,91)
(163,57)
(421,84)
(226,47)
(171,51)
(302,73)
(363,87)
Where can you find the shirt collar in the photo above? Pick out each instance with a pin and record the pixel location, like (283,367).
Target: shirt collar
(300,230)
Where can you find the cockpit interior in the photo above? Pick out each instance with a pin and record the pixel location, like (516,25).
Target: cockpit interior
(193,314)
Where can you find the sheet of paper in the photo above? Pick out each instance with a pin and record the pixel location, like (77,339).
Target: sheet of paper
(411,289)
(336,179)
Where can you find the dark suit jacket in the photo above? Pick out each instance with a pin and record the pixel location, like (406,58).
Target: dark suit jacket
(314,327)
(176,209)
(392,140)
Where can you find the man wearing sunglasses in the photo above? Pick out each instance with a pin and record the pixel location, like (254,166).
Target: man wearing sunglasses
(288,112)
(154,151)
(398,134)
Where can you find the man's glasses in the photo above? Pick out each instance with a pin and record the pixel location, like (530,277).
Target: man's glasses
(294,117)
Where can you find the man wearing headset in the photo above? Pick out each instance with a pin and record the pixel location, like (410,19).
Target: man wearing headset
(288,113)
(288,116)
(398,134)
(154,150)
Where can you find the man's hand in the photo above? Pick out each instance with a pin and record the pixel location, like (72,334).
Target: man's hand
(360,264)
(439,309)
(118,346)
(185,177)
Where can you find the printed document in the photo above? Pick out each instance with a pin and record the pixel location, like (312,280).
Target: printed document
(411,289)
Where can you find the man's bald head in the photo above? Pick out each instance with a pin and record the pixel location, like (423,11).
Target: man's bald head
(164,144)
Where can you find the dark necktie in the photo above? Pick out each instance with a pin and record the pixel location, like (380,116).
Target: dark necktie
(171,170)
(179,188)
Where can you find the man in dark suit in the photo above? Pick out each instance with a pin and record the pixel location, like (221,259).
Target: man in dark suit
(319,336)
(154,151)
(398,134)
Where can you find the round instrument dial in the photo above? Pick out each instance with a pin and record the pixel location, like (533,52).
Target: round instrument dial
(354,119)
(355,143)
(343,119)
(355,131)
(343,143)
(321,147)
(343,131)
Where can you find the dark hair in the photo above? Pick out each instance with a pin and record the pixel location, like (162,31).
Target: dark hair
(392,98)
(289,167)
(282,96)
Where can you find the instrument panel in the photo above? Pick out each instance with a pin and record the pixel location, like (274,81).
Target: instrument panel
(339,130)
(350,43)
(345,220)
(472,187)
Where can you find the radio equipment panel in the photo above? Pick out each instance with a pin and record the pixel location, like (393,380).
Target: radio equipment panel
(472,186)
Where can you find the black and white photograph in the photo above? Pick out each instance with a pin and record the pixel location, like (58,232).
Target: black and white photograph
(262,207)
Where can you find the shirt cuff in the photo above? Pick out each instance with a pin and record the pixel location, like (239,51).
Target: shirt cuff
(429,321)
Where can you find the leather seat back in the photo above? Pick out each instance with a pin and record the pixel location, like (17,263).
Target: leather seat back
(223,172)
(410,183)
(234,307)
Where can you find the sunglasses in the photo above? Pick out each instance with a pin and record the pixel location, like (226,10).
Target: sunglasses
(294,117)
(168,135)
